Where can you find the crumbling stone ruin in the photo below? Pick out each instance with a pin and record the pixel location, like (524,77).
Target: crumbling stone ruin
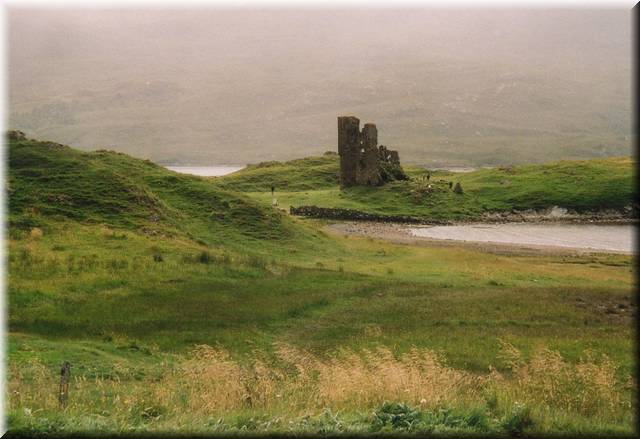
(362,161)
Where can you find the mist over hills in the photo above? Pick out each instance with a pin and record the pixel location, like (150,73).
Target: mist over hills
(445,87)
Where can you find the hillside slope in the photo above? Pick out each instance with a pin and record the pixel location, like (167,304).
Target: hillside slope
(49,182)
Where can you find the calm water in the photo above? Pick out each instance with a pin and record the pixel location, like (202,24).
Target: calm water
(585,236)
(206,171)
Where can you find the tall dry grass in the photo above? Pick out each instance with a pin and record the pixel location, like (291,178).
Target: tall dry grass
(547,381)
(210,382)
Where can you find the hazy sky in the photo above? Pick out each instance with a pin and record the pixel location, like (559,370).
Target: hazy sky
(236,86)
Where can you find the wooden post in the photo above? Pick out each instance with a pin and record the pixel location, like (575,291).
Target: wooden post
(65,377)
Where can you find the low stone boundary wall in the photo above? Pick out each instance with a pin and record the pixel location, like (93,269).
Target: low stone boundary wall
(500,218)
(356,215)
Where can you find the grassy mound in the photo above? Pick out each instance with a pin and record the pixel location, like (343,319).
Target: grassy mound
(587,185)
(49,181)
(295,175)
(311,173)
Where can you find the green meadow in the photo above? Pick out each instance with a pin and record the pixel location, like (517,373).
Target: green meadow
(581,186)
(188,303)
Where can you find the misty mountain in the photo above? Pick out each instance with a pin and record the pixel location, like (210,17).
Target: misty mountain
(445,87)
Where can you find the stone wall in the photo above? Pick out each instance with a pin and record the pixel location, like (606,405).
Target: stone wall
(348,149)
(356,215)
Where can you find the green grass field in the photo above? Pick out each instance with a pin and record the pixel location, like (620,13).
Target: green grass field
(582,186)
(124,268)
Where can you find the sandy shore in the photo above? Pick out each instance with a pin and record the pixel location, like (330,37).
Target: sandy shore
(401,234)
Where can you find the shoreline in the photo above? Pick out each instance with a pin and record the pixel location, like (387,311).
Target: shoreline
(401,234)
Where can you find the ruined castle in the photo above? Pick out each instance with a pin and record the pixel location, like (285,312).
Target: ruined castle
(362,161)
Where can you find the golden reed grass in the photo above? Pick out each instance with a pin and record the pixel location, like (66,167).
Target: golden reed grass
(210,382)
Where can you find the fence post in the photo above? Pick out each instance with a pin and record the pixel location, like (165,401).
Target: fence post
(65,376)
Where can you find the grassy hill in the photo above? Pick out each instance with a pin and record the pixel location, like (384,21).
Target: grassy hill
(581,186)
(49,182)
(125,269)
(310,173)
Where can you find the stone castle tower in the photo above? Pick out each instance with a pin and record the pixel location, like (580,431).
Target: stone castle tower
(362,161)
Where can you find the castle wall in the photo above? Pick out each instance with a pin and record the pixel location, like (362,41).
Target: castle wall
(348,149)
(360,156)
(368,170)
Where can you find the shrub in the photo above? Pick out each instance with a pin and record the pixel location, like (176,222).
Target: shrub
(327,423)
(399,416)
(36,233)
(491,399)
(478,419)
(205,257)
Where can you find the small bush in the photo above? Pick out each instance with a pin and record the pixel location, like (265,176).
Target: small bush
(205,257)
(478,419)
(36,233)
(327,423)
(491,399)
(398,416)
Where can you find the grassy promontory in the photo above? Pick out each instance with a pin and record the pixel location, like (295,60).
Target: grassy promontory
(587,186)
(185,305)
